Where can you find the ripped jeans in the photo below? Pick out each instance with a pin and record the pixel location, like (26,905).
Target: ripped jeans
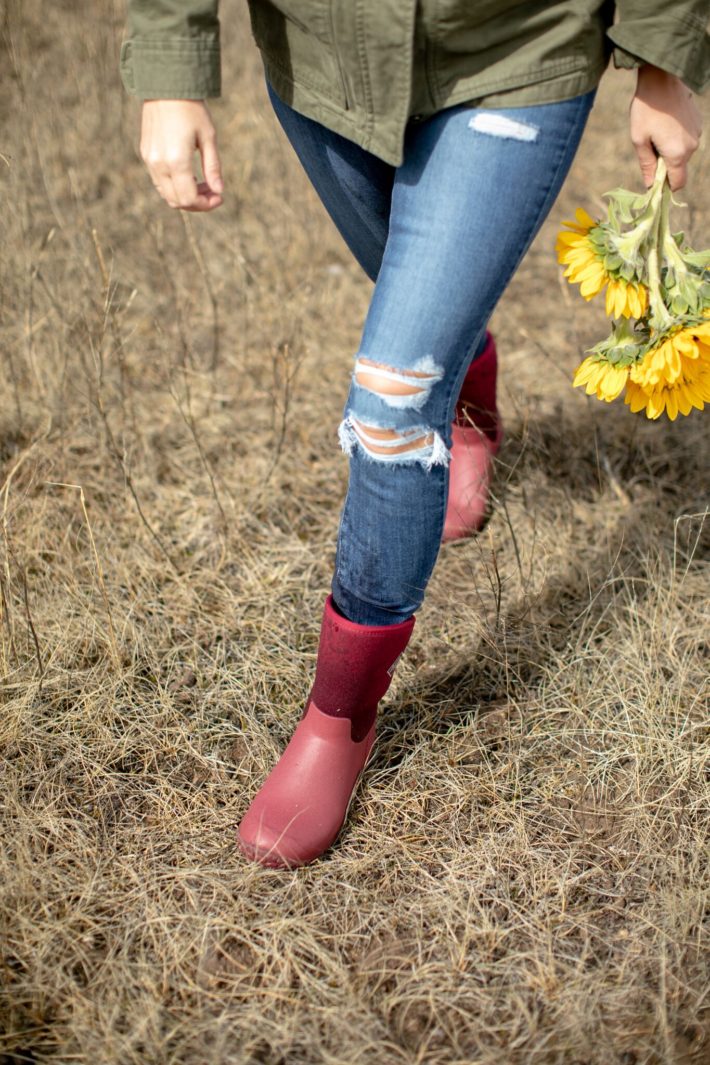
(441,236)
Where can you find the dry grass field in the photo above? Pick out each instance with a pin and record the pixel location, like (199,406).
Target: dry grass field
(524,876)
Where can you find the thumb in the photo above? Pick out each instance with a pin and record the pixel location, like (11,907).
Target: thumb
(648,161)
(211,165)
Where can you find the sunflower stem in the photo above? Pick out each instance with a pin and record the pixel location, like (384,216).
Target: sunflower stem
(629,244)
(671,252)
(661,318)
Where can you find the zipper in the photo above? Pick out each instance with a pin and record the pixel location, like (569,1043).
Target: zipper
(336,50)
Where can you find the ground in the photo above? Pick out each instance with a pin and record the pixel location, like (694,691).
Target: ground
(523,877)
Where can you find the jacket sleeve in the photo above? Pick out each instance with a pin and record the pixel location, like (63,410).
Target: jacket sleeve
(670,34)
(171,50)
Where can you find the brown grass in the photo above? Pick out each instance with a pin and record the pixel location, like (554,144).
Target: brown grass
(524,875)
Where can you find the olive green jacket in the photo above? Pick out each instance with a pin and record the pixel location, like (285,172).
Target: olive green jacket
(363,67)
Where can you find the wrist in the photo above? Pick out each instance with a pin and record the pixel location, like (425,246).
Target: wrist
(648,72)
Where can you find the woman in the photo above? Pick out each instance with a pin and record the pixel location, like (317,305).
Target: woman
(437,134)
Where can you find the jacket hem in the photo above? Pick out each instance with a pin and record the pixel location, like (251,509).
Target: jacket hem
(549,88)
(555,89)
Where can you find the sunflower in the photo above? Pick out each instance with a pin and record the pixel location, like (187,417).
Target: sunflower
(601,378)
(676,399)
(673,356)
(626,299)
(576,251)
(585,262)
(674,376)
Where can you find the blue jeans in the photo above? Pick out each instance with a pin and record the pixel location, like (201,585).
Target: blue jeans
(441,236)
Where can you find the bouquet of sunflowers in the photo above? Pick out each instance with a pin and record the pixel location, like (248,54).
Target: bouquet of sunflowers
(657,293)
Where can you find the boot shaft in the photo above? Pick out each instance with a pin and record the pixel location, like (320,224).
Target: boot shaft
(355,666)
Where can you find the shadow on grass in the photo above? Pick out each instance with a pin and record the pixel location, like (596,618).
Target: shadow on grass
(629,485)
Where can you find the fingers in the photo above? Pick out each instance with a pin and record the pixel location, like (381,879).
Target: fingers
(162,182)
(171,132)
(664,121)
(674,145)
(185,185)
(207,199)
(191,195)
(648,160)
(677,166)
(211,165)
(180,190)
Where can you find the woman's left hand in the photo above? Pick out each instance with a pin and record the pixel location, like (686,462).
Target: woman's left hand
(664,121)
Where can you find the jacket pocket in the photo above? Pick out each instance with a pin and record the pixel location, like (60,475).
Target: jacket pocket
(299,45)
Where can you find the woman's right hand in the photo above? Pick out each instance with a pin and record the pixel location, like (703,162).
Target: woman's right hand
(171,132)
(665,122)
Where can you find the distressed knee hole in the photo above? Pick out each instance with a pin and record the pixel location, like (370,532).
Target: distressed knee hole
(385,379)
(418,444)
(390,441)
(397,387)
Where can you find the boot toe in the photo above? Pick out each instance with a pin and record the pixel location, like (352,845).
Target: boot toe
(300,808)
(270,846)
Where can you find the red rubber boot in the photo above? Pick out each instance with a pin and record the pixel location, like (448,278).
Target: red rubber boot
(300,808)
(477,435)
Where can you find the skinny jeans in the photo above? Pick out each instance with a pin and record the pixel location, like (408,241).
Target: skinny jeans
(441,235)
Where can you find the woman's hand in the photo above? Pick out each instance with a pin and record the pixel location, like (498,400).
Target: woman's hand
(665,122)
(171,132)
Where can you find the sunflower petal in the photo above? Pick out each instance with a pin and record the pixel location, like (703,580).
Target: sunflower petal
(609,299)
(591,285)
(635,397)
(684,404)
(672,404)
(584,219)
(584,371)
(634,301)
(655,405)
(620,301)
(643,298)
(612,383)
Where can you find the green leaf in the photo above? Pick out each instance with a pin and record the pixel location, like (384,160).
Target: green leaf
(700,259)
(623,356)
(628,204)
(613,219)
(598,240)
